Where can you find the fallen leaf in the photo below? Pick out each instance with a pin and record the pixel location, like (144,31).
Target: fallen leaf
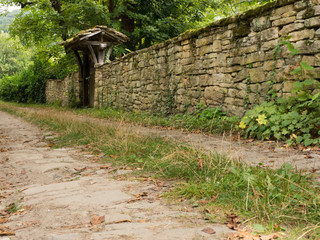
(97,219)
(122,221)
(208,211)
(203,202)
(139,196)
(51,145)
(208,230)
(140,221)
(269,237)
(232,221)
(105,167)
(6,233)
(308,156)
(143,194)
(200,163)
(214,198)
(3,220)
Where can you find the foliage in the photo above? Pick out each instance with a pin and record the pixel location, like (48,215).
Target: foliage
(13,56)
(296,118)
(208,119)
(218,9)
(29,84)
(275,197)
(6,20)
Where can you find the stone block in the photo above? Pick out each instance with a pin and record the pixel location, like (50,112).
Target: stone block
(216,46)
(261,23)
(222,59)
(312,22)
(317,60)
(300,5)
(235,93)
(269,45)
(186,54)
(269,34)
(309,59)
(249,49)
(283,21)
(185,42)
(253,57)
(204,41)
(290,28)
(288,86)
(205,50)
(257,75)
(317,33)
(316,9)
(303,34)
(277,13)
(213,93)
(242,75)
(219,78)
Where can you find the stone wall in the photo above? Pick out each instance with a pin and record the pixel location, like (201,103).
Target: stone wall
(228,63)
(63,91)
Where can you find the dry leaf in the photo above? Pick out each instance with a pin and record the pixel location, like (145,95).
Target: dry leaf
(122,221)
(214,198)
(208,211)
(208,230)
(308,156)
(232,221)
(105,167)
(138,197)
(200,163)
(3,220)
(97,219)
(269,237)
(6,233)
(143,194)
(203,202)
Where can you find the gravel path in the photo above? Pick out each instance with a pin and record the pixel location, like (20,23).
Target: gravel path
(61,195)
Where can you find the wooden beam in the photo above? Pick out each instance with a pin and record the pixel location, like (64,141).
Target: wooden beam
(96,43)
(93,54)
(109,52)
(90,35)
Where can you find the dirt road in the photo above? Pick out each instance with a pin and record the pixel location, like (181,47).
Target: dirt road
(57,194)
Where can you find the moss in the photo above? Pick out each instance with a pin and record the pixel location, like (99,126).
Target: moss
(308,13)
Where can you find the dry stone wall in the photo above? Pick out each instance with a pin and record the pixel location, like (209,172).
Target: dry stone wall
(63,91)
(228,63)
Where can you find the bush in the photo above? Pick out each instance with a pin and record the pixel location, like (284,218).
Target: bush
(291,119)
(28,86)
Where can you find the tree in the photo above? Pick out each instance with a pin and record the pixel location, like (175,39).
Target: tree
(13,56)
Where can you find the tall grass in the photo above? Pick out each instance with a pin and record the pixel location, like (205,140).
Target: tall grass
(280,196)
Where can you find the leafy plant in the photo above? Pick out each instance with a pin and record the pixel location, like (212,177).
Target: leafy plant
(295,119)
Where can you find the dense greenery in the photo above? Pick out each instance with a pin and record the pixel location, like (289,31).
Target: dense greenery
(13,56)
(28,85)
(295,118)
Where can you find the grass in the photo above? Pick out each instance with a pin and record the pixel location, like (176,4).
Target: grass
(275,198)
(208,120)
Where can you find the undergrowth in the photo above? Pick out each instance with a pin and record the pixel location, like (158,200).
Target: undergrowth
(206,119)
(273,197)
